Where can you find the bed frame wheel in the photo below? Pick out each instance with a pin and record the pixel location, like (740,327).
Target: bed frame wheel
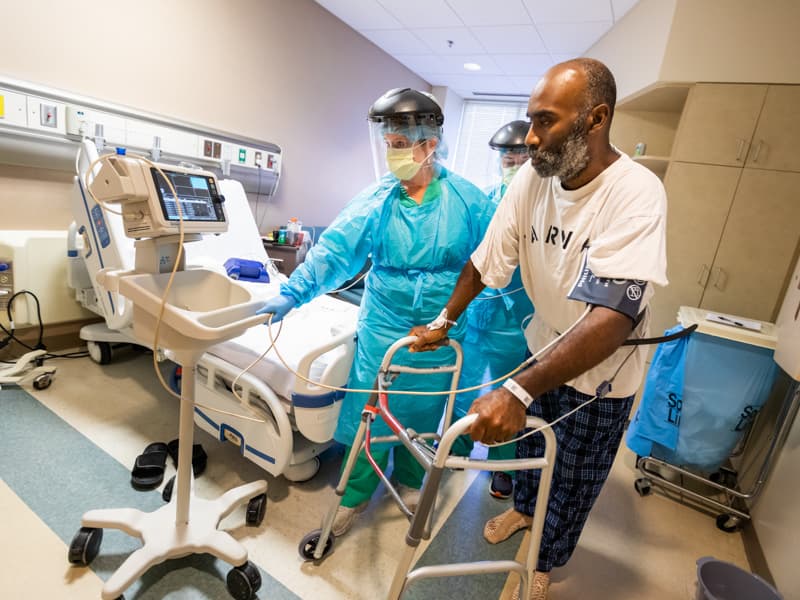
(99,352)
(302,472)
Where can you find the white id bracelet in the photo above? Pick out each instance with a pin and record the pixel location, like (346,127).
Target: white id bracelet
(441,321)
(521,394)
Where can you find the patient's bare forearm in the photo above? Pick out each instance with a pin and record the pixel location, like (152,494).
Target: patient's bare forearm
(468,286)
(596,338)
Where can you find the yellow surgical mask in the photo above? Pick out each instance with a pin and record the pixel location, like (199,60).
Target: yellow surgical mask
(508,174)
(401,163)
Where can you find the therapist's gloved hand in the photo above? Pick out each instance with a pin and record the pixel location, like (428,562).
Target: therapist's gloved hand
(279,306)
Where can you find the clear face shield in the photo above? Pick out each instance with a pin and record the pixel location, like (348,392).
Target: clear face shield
(505,164)
(403,148)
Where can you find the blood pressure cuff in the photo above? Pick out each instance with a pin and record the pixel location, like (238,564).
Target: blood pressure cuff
(621,295)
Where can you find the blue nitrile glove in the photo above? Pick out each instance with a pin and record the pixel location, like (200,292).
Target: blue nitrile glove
(279,306)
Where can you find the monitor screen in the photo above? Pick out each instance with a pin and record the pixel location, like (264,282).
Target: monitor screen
(197,194)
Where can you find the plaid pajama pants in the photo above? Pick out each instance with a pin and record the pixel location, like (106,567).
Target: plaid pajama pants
(587,444)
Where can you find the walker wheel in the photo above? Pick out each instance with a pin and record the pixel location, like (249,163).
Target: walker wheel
(166,493)
(42,382)
(85,545)
(309,544)
(729,523)
(256,509)
(244,581)
(643,486)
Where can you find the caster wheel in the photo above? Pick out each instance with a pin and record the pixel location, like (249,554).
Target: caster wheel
(302,472)
(643,486)
(166,493)
(85,545)
(309,544)
(256,509)
(725,477)
(729,523)
(244,581)
(99,352)
(42,382)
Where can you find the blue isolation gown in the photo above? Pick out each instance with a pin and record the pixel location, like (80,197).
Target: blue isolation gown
(417,252)
(494,342)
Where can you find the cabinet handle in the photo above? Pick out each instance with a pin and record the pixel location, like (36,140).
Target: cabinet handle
(702,276)
(740,142)
(757,151)
(721,278)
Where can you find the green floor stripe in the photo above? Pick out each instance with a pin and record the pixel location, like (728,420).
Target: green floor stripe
(461,540)
(60,474)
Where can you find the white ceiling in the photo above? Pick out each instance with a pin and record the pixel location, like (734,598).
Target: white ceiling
(514,41)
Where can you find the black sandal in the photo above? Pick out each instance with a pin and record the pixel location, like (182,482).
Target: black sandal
(199,457)
(148,469)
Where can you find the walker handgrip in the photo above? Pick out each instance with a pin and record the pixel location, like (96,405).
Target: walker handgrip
(461,426)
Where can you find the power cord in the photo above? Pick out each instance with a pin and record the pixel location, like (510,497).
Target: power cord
(10,335)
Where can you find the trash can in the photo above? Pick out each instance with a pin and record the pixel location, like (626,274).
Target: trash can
(718,580)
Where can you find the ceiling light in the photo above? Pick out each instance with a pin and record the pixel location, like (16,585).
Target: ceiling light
(472,66)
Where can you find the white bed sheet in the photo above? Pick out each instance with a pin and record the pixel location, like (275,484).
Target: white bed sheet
(312,325)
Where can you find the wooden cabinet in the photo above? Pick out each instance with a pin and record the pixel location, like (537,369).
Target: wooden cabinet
(699,200)
(733,192)
(756,250)
(774,144)
(718,122)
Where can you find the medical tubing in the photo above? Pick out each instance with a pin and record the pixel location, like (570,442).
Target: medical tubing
(500,295)
(347,287)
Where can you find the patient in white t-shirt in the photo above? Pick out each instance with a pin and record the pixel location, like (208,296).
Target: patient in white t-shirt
(586,225)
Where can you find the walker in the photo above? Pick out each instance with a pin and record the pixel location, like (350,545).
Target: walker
(317,544)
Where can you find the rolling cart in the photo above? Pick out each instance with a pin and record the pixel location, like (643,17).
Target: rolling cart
(720,490)
(316,545)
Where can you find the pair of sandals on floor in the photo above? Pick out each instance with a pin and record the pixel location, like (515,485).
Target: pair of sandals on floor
(149,466)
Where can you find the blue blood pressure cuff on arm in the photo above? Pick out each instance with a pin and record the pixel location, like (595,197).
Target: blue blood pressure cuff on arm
(622,295)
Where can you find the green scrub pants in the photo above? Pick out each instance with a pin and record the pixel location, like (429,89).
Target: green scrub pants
(364,480)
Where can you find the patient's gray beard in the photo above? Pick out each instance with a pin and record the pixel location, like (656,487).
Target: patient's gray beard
(567,161)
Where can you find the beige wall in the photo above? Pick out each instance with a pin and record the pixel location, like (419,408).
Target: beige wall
(285,71)
(702,40)
(734,40)
(634,48)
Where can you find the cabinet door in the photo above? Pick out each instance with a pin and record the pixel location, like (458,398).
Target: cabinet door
(757,246)
(778,131)
(698,199)
(718,123)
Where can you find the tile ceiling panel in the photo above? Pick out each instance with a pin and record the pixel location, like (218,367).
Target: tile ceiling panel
(463,41)
(569,11)
(517,39)
(572,38)
(496,12)
(523,64)
(422,13)
(361,14)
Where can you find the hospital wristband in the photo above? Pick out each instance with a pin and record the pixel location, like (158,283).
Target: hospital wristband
(441,321)
(519,392)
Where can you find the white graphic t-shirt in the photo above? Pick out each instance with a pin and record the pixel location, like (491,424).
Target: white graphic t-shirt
(604,244)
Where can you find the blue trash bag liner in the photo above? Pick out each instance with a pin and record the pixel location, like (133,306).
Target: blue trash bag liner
(725,385)
(657,419)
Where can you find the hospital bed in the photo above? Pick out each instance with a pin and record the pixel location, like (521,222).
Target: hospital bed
(282,423)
